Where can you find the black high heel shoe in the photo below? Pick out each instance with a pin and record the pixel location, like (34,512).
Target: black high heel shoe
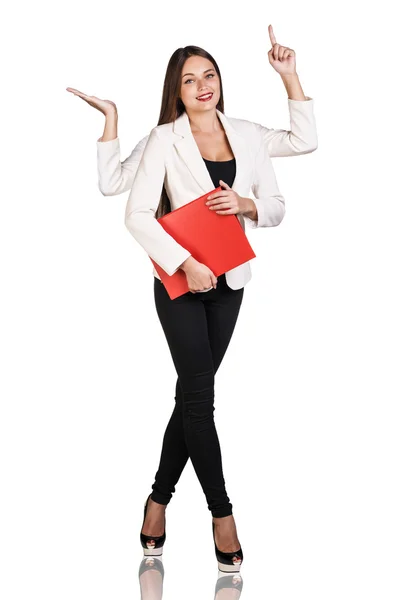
(228,562)
(152,545)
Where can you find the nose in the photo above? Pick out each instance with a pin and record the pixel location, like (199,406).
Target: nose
(203,85)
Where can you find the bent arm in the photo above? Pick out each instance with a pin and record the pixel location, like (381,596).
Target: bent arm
(269,202)
(302,136)
(142,204)
(114,176)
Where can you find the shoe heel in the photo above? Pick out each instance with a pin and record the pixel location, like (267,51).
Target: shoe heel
(152,545)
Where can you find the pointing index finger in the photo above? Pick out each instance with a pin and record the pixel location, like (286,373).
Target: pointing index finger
(271,35)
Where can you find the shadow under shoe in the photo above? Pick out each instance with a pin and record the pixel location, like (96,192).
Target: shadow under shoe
(151,564)
(225,582)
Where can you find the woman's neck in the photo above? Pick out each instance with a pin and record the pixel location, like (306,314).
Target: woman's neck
(204,122)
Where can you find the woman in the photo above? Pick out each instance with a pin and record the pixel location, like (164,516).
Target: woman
(194,149)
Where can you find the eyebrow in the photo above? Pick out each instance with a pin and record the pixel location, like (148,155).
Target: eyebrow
(194,74)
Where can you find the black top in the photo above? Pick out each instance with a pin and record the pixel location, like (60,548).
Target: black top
(221,169)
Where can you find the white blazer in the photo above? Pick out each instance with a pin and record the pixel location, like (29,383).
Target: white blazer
(170,155)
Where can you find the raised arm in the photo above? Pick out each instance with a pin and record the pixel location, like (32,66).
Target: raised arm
(142,204)
(301,138)
(114,176)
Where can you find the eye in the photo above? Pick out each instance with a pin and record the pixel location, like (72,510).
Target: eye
(209,75)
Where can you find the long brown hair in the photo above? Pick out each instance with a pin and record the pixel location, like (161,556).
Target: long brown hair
(172,106)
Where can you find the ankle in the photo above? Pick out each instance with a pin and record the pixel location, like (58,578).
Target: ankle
(157,504)
(160,508)
(222,520)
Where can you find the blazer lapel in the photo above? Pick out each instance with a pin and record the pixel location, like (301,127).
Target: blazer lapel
(189,151)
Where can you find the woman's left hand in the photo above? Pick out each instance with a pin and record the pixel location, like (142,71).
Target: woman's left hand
(282,58)
(227,201)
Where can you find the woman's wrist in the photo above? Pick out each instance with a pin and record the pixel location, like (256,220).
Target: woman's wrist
(251,209)
(112,114)
(293,87)
(188,263)
(111,127)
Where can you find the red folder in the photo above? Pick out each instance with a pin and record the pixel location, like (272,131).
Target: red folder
(217,241)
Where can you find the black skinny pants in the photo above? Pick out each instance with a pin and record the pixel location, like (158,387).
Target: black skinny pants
(198,328)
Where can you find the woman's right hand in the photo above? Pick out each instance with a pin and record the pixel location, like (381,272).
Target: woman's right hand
(104,106)
(198,275)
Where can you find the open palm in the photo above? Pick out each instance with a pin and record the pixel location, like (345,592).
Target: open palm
(104,106)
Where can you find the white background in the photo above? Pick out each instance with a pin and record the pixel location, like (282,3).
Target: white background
(307,397)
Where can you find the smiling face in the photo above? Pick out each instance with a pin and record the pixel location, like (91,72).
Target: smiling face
(199,78)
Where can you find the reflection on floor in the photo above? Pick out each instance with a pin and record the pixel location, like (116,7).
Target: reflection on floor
(151,579)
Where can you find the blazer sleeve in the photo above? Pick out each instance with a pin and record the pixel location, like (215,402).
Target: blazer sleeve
(114,176)
(268,199)
(142,204)
(302,137)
